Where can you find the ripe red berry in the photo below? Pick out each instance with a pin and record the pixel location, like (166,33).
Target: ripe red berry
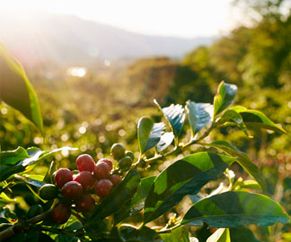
(115,179)
(62,176)
(103,187)
(60,213)
(72,190)
(85,204)
(107,161)
(86,179)
(85,162)
(102,170)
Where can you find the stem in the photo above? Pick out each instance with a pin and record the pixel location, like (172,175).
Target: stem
(80,218)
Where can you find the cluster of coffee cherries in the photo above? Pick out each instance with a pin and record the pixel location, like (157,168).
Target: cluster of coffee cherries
(78,191)
(123,157)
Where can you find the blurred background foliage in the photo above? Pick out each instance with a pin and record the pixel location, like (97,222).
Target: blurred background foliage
(94,111)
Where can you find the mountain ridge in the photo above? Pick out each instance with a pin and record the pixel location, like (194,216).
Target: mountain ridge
(67,39)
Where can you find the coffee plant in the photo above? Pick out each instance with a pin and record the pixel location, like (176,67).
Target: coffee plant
(179,187)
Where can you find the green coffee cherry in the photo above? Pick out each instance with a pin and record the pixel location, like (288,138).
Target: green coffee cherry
(117,151)
(48,192)
(130,154)
(125,163)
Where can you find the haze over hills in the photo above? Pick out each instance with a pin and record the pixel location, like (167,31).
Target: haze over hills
(67,40)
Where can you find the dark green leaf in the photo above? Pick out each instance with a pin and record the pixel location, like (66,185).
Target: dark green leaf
(180,234)
(242,234)
(234,209)
(132,234)
(37,155)
(66,238)
(166,139)
(175,116)
(122,195)
(29,181)
(148,133)
(185,176)
(137,201)
(224,96)
(34,155)
(16,90)
(6,171)
(257,119)
(242,159)
(220,235)
(199,115)
(12,157)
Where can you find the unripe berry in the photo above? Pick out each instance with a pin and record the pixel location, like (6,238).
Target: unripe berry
(125,163)
(107,161)
(60,213)
(48,191)
(102,170)
(130,154)
(117,151)
(85,162)
(62,176)
(115,179)
(85,204)
(86,179)
(103,187)
(72,190)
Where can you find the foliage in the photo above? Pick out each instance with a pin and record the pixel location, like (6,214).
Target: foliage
(145,196)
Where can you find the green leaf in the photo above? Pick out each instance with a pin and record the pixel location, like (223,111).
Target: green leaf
(37,155)
(180,234)
(166,139)
(242,234)
(242,159)
(143,190)
(66,238)
(144,234)
(230,116)
(256,119)
(199,115)
(224,96)
(234,209)
(16,90)
(220,235)
(148,133)
(185,176)
(6,171)
(175,116)
(137,201)
(34,155)
(12,157)
(120,196)
(30,181)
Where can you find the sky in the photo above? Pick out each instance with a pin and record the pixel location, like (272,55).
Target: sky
(180,18)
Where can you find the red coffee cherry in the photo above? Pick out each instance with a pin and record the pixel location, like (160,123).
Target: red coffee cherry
(103,187)
(60,213)
(86,179)
(115,179)
(72,190)
(85,204)
(102,170)
(62,176)
(107,161)
(85,162)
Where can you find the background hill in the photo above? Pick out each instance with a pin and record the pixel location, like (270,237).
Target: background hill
(70,40)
